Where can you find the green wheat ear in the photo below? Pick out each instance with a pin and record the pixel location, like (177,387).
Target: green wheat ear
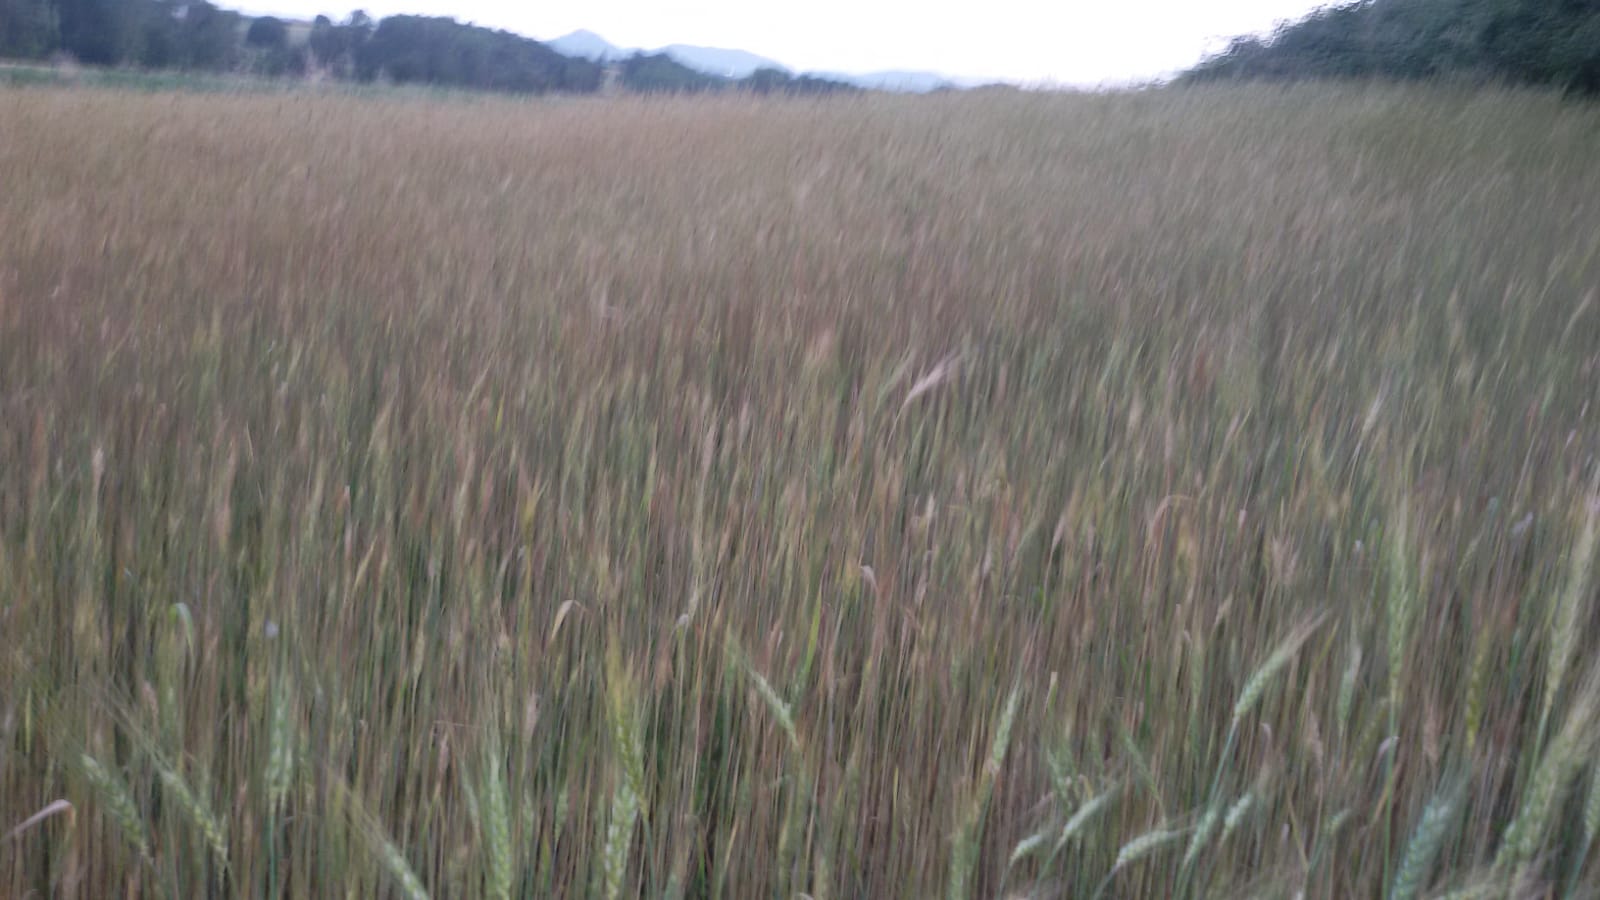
(1566,619)
(1275,663)
(1426,839)
(196,811)
(1144,845)
(619,838)
(1236,814)
(496,817)
(623,715)
(1203,830)
(388,854)
(1477,684)
(1140,847)
(280,745)
(1591,808)
(1402,605)
(1561,761)
(118,800)
(964,850)
(1347,686)
(769,695)
(1028,846)
(1096,805)
(409,884)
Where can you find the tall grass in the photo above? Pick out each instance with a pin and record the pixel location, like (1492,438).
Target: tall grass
(1188,493)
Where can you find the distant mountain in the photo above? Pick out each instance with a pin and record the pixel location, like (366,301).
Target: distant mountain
(738,64)
(584,44)
(717,61)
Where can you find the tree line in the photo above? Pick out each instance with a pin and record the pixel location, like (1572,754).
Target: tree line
(152,33)
(1541,42)
(196,35)
(660,73)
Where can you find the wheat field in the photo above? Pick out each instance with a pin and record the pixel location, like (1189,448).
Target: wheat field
(1187,493)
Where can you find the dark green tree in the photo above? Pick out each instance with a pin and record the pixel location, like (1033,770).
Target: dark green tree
(210,35)
(267,33)
(777,81)
(199,35)
(442,51)
(767,81)
(100,32)
(660,73)
(161,44)
(28,28)
(1550,42)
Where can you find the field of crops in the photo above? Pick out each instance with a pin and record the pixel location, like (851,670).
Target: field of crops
(1178,494)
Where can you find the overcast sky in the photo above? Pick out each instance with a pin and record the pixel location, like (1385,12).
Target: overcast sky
(1077,42)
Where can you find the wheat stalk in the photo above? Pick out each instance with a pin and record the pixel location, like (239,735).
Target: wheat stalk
(54,808)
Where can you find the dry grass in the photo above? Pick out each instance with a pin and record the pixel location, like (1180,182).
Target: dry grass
(880,497)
